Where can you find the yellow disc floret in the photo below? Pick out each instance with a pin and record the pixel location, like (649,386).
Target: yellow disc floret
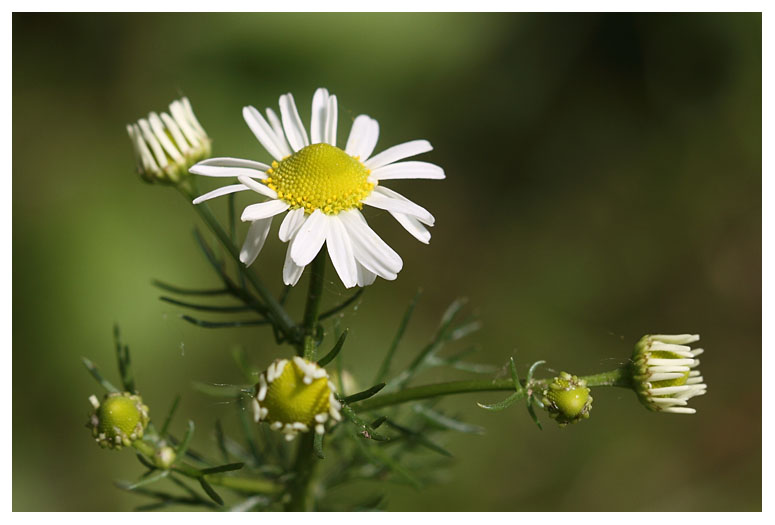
(320,177)
(294,396)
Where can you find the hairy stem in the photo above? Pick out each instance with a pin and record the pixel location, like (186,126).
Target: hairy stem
(619,377)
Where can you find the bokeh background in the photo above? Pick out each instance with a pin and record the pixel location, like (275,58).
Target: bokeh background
(604,181)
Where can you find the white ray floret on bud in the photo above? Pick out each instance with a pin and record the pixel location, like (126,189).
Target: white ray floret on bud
(664,372)
(295,396)
(167,145)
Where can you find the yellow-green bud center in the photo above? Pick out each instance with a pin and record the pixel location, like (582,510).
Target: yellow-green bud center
(118,413)
(320,177)
(567,399)
(570,402)
(119,420)
(289,399)
(679,381)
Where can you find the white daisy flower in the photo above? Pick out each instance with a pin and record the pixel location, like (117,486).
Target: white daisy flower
(321,188)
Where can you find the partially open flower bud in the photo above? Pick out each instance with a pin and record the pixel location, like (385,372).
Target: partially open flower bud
(294,396)
(119,420)
(567,399)
(663,375)
(167,145)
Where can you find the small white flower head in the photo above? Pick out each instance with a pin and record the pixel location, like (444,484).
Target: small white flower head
(323,188)
(295,395)
(567,399)
(167,145)
(664,374)
(119,420)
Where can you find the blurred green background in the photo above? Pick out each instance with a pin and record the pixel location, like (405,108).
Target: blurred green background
(603,181)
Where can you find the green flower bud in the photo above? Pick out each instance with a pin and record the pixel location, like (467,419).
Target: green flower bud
(119,420)
(663,375)
(295,396)
(567,399)
(167,146)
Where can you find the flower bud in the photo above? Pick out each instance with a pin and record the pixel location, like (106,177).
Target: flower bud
(167,146)
(663,375)
(164,457)
(567,399)
(119,420)
(294,396)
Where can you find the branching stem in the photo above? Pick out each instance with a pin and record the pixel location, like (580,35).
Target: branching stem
(619,377)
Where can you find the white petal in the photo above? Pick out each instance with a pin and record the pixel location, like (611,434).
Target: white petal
(395,195)
(341,251)
(153,143)
(401,151)
(223,190)
(408,170)
(319,118)
(291,271)
(224,171)
(291,223)
(380,200)
(161,134)
(263,210)
(413,226)
(294,129)
(277,126)
(679,410)
(180,115)
(254,241)
(231,162)
(258,187)
(177,134)
(144,156)
(365,277)
(310,238)
(332,117)
(263,132)
(191,118)
(363,137)
(369,249)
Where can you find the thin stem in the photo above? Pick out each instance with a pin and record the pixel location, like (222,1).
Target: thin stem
(304,467)
(250,485)
(619,377)
(281,317)
(312,309)
(242,484)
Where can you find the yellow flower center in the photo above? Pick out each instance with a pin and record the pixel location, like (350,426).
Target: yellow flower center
(289,399)
(320,177)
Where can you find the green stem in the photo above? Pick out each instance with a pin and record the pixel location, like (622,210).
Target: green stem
(279,315)
(242,484)
(619,377)
(249,485)
(304,467)
(312,309)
